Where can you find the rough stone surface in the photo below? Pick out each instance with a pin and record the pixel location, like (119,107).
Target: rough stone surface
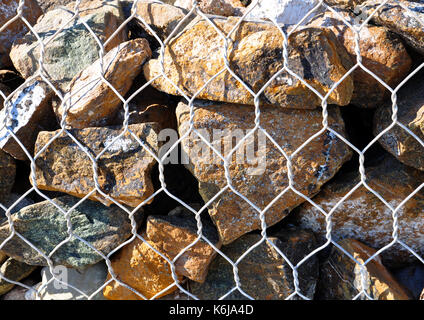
(382,53)
(7,175)
(139,267)
(264,275)
(171,234)
(72,49)
(45,227)
(197,55)
(403,22)
(88,281)
(341,276)
(3,257)
(397,141)
(224,8)
(412,278)
(93,102)
(261,176)
(123,170)
(28,112)
(17,29)
(162,18)
(283,11)
(15,271)
(364,217)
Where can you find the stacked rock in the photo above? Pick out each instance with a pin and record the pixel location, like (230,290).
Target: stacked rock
(190,147)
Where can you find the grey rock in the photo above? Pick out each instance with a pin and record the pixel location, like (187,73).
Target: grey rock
(263,273)
(73,48)
(45,227)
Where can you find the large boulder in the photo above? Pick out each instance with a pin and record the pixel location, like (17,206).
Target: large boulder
(124,169)
(258,173)
(73,48)
(255,56)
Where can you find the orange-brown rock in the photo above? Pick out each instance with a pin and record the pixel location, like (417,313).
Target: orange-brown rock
(15,30)
(258,170)
(93,103)
(73,48)
(397,141)
(382,53)
(123,170)
(364,217)
(255,56)
(141,268)
(171,234)
(341,277)
(27,113)
(407,23)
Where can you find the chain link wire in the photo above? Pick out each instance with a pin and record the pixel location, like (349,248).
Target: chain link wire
(226,160)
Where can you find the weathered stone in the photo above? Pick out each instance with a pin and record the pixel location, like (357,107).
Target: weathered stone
(224,8)
(72,49)
(397,141)
(341,277)
(45,227)
(364,217)
(93,103)
(283,11)
(8,10)
(15,271)
(406,23)
(141,268)
(28,113)
(88,281)
(18,292)
(412,278)
(7,175)
(345,4)
(162,18)
(123,169)
(256,55)
(382,53)
(171,234)
(263,273)
(260,174)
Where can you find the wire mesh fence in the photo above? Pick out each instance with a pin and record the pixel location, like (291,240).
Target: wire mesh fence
(260,101)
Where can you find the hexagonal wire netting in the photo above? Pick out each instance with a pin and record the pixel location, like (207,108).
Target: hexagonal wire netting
(65,100)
